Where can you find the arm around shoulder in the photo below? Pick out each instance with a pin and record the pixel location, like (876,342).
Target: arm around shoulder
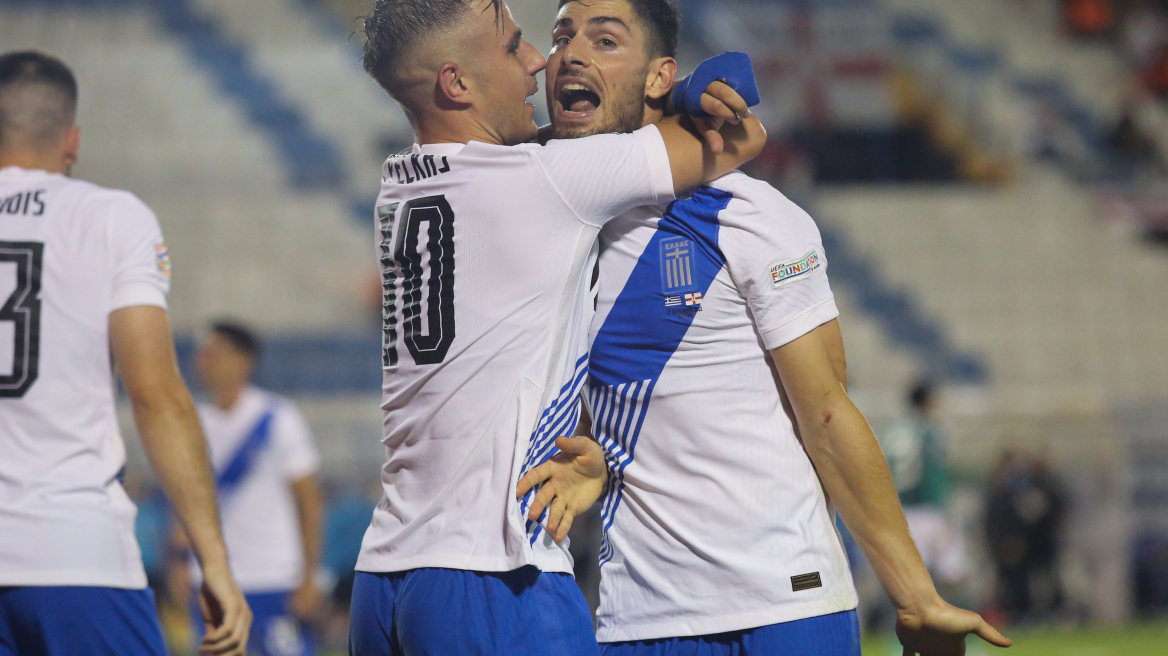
(693,160)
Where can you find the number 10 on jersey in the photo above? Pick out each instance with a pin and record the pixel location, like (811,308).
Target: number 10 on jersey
(417,265)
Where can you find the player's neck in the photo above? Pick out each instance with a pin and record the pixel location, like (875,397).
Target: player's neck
(33,161)
(653,115)
(227,396)
(454,127)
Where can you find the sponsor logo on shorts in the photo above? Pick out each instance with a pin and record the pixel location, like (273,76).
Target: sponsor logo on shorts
(806,582)
(789,272)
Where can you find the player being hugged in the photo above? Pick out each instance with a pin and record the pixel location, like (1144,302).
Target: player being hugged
(712,311)
(485,244)
(84,274)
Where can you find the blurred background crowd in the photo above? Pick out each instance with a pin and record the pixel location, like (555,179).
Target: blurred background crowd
(990,178)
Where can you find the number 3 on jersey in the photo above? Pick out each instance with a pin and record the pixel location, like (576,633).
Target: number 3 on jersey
(427,292)
(20,315)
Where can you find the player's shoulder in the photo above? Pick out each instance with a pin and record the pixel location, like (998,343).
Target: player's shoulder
(107,201)
(756,201)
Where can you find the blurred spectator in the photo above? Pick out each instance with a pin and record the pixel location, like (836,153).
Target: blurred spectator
(917,454)
(1131,150)
(1024,515)
(1145,31)
(1155,75)
(1089,18)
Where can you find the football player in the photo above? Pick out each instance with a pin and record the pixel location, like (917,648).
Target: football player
(485,244)
(718,390)
(84,275)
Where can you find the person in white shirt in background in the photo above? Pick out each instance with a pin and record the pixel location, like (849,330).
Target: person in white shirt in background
(84,275)
(266,468)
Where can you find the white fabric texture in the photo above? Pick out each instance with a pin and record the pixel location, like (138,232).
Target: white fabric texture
(486,253)
(717,505)
(64,517)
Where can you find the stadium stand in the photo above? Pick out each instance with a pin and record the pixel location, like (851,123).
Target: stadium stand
(252,131)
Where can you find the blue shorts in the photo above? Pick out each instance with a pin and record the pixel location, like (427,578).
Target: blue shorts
(837,634)
(445,612)
(274,630)
(79,620)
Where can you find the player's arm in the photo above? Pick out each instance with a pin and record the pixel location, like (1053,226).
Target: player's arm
(733,138)
(572,480)
(309,509)
(855,475)
(143,349)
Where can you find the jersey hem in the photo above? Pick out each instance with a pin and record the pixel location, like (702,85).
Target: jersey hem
(136,295)
(805,322)
(136,581)
(698,626)
(375,565)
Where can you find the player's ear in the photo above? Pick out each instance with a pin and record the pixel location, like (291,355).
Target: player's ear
(661,76)
(72,144)
(452,85)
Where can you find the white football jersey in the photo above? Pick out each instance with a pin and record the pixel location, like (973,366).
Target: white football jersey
(70,254)
(485,254)
(258,449)
(714,520)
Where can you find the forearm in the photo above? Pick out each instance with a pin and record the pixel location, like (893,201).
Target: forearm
(855,475)
(174,444)
(309,510)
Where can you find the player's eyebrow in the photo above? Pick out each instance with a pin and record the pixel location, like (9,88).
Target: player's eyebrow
(513,45)
(601,20)
(596,20)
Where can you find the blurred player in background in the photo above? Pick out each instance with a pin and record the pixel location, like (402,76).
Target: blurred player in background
(266,470)
(84,275)
(918,457)
(718,389)
(485,347)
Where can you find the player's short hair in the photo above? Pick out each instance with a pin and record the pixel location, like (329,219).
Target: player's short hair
(241,338)
(394,26)
(38,99)
(661,20)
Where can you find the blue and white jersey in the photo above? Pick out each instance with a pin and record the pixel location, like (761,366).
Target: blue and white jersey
(259,448)
(715,520)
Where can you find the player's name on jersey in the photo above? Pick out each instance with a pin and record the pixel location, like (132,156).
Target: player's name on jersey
(26,203)
(406,169)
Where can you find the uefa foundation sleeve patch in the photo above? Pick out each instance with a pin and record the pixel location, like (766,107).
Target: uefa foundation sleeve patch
(800,269)
(163,258)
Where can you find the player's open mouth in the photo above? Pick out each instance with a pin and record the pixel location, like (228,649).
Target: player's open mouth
(577,99)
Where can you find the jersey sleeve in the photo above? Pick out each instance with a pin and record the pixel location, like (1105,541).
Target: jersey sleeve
(141,262)
(297,452)
(775,256)
(603,176)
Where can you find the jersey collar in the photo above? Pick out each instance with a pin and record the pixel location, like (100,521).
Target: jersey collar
(439,149)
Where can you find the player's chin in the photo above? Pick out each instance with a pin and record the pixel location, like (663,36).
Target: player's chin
(574,125)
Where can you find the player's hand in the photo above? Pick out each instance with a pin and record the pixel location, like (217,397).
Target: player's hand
(226,616)
(307,601)
(724,105)
(939,629)
(572,481)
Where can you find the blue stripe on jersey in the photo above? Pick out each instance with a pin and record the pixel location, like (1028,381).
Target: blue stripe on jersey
(241,463)
(560,418)
(645,326)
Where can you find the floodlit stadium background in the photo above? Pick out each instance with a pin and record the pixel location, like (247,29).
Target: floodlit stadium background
(989,177)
